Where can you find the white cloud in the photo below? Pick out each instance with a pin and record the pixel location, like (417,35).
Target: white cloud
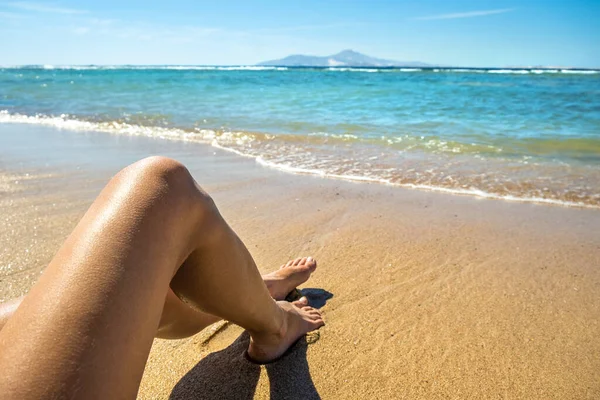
(469,14)
(117,41)
(43,8)
(139,30)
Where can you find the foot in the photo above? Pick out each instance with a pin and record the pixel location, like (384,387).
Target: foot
(298,319)
(289,276)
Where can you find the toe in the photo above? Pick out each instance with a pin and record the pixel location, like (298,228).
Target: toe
(301,302)
(297,261)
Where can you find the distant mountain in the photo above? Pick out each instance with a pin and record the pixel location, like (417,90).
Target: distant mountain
(346,58)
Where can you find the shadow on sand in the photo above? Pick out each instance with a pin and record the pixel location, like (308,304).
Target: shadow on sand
(227,374)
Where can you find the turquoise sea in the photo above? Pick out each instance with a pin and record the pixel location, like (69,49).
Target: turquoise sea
(516,134)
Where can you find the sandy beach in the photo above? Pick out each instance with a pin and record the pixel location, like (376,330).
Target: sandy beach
(425,295)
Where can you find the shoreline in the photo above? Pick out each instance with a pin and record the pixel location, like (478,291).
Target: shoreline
(190,136)
(433,296)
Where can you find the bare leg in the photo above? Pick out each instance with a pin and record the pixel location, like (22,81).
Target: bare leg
(7,309)
(179,320)
(86,328)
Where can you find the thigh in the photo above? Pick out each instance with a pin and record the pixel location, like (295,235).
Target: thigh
(86,328)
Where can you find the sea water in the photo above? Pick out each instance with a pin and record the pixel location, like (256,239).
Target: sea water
(515,134)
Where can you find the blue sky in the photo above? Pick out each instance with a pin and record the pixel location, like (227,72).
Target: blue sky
(465,33)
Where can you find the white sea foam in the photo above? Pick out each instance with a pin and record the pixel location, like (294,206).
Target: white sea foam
(466,192)
(276,68)
(151,67)
(227,140)
(480,71)
(85,67)
(487,195)
(209,67)
(251,68)
(349,69)
(580,71)
(80,67)
(113,127)
(183,68)
(508,71)
(311,171)
(545,71)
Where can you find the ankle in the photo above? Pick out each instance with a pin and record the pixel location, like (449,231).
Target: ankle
(276,328)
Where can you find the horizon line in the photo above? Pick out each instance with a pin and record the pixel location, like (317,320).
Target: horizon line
(430,66)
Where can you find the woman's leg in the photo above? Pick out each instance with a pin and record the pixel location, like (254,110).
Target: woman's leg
(179,320)
(7,309)
(86,328)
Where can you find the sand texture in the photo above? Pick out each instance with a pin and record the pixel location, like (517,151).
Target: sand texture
(424,295)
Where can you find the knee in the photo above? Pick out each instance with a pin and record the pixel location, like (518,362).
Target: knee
(160,168)
(167,182)
(160,174)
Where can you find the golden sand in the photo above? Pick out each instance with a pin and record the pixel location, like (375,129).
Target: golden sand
(424,295)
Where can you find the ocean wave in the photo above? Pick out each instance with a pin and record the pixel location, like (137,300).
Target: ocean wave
(479,71)
(456,191)
(545,71)
(113,127)
(542,71)
(584,148)
(508,71)
(423,163)
(251,68)
(210,68)
(364,69)
(67,67)
(579,71)
(342,136)
(522,71)
(350,69)
(518,71)
(149,67)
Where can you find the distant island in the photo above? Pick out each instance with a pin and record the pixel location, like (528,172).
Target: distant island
(345,58)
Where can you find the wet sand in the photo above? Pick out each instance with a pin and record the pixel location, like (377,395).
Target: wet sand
(425,295)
